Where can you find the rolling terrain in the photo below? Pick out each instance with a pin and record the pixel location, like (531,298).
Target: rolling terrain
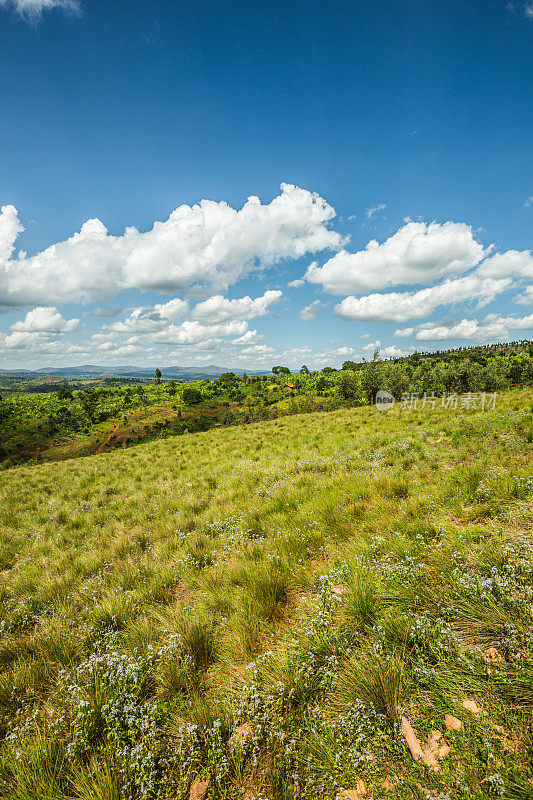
(323,605)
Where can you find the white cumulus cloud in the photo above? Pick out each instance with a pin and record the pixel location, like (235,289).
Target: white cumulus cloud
(220,309)
(192,332)
(404,332)
(45,319)
(312,310)
(372,345)
(525,299)
(39,333)
(211,319)
(10,227)
(401,306)
(492,328)
(392,351)
(249,338)
(150,318)
(512,263)
(209,244)
(257,350)
(416,253)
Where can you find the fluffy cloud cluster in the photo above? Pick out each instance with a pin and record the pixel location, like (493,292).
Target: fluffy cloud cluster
(146,319)
(46,319)
(492,328)
(206,325)
(216,316)
(194,332)
(37,331)
(220,309)
(209,244)
(147,329)
(205,248)
(511,264)
(392,351)
(417,253)
(10,227)
(259,351)
(401,306)
(249,338)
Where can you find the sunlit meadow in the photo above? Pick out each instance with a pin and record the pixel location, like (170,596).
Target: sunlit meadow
(262,607)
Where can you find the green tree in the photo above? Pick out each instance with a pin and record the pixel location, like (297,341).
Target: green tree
(349,387)
(64,393)
(236,394)
(372,377)
(61,418)
(321,384)
(7,410)
(89,400)
(191,396)
(157,375)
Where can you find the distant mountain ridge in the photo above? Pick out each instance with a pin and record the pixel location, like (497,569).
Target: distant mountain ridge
(173,371)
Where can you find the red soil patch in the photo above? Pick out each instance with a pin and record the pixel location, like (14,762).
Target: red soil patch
(108,438)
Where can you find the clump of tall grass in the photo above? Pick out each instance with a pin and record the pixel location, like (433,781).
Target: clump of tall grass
(362,602)
(198,553)
(198,642)
(37,767)
(525,428)
(378,680)
(267,586)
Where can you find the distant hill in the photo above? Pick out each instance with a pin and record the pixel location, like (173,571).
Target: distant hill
(473,352)
(174,371)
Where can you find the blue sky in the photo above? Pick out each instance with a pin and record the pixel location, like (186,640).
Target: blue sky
(403,125)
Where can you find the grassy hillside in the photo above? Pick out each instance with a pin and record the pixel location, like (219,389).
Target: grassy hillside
(81,416)
(270,607)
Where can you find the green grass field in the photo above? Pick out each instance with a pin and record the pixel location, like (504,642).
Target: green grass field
(266,607)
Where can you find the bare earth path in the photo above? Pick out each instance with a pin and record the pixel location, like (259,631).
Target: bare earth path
(115,429)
